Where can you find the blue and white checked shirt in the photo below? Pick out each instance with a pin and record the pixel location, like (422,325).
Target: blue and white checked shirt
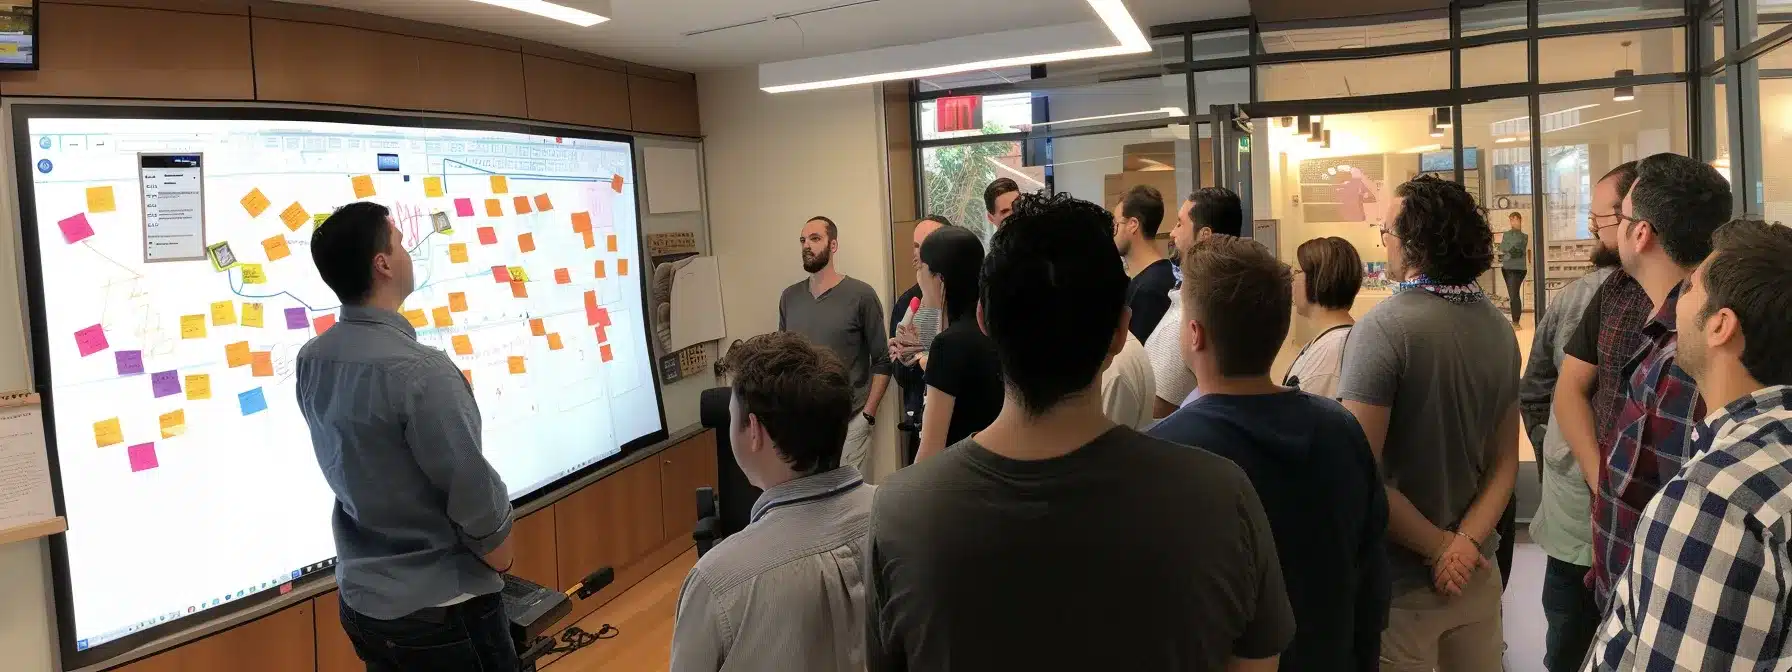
(1707,588)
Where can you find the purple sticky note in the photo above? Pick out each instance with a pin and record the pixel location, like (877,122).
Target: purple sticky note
(130,362)
(90,340)
(164,383)
(76,229)
(463,207)
(295,318)
(143,456)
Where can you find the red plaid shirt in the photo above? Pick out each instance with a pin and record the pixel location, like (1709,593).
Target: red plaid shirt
(1623,310)
(1654,437)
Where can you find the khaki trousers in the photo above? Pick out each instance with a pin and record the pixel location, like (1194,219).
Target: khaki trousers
(1428,631)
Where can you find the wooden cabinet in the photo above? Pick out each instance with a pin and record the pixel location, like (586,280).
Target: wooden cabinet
(279,642)
(457,77)
(532,539)
(317,63)
(117,52)
(684,468)
(571,93)
(610,523)
(663,106)
(334,652)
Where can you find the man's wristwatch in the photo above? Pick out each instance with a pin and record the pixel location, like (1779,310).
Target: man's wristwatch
(870,420)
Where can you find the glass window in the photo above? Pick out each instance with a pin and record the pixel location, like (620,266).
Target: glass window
(1720,122)
(1358,77)
(959,80)
(1101,168)
(1504,63)
(1221,87)
(1776,148)
(1287,38)
(954,178)
(1496,140)
(1767,13)
(999,113)
(1111,102)
(1493,17)
(1582,57)
(1222,44)
(1576,12)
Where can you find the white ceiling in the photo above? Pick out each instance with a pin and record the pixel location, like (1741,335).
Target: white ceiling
(652,32)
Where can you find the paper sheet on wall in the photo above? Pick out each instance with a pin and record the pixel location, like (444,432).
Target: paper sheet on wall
(697,304)
(24,464)
(671,180)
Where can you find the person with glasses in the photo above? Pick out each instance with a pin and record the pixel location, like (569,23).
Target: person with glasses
(1327,275)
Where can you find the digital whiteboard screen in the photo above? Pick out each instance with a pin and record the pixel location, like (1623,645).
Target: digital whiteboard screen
(172,287)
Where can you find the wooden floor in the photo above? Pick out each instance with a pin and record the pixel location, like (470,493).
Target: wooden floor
(644,615)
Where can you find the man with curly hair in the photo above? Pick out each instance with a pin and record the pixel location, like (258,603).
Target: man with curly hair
(1432,376)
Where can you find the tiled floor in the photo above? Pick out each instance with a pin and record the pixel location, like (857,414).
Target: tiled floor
(1523,613)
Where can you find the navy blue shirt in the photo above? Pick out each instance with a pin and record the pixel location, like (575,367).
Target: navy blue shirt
(1313,470)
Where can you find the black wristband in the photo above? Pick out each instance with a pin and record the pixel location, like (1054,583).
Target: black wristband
(870,420)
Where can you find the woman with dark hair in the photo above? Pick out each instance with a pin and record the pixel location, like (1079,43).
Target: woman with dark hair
(964,376)
(1327,275)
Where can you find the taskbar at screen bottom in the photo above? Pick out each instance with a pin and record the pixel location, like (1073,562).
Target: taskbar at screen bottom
(282,582)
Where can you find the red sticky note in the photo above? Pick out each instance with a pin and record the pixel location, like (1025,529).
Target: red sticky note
(602,335)
(519,290)
(616,186)
(605,351)
(323,323)
(581,222)
(91,340)
(589,241)
(591,308)
(76,229)
(500,274)
(603,317)
(562,276)
(143,456)
(488,235)
(463,207)
(543,204)
(526,242)
(522,205)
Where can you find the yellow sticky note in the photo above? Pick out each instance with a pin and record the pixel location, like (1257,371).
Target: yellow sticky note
(295,216)
(192,326)
(108,433)
(493,208)
(319,218)
(443,317)
(518,274)
(500,184)
(457,302)
(100,199)
(432,187)
(516,365)
(554,342)
(237,354)
(253,275)
(174,423)
(457,253)
(417,318)
(199,386)
(223,313)
(463,345)
(252,315)
(363,186)
(255,203)
(276,247)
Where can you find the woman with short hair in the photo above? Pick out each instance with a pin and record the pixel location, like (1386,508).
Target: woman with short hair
(1327,275)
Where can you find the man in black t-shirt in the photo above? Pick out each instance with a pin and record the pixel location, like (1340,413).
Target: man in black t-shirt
(1136,220)
(908,373)
(1054,539)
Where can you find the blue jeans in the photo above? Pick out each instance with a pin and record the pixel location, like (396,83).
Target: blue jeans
(473,636)
(1572,615)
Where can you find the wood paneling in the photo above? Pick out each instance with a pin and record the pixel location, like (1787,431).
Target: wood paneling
(559,53)
(237,7)
(660,106)
(899,144)
(113,52)
(334,652)
(609,523)
(385,24)
(570,93)
(684,468)
(315,63)
(532,538)
(279,642)
(902,256)
(466,78)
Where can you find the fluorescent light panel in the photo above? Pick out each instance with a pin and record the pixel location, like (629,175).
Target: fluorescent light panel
(557,12)
(1112,13)
(1166,111)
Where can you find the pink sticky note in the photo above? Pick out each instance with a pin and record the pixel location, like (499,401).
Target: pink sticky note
(90,340)
(463,207)
(76,229)
(143,456)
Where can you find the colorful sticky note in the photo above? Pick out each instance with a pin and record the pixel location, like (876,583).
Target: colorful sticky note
(467,375)
(363,186)
(432,186)
(108,433)
(457,302)
(494,208)
(610,242)
(518,274)
(143,457)
(463,345)
(223,313)
(99,199)
(130,362)
(252,315)
(237,354)
(581,222)
(252,402)
(519,290)
(589,241)
(603,317)
(538,327)
(262,364)
(562,276)
(554,341)
(591,308)
(294,216)
(174,423)
(416,317)
(319,218)
(76,229)
(255,203)
(616,186)
(276,248)
(199,386)
(444,317)
(488,235)
(605,353)
(322,323)
(516,365)
(501,274)
(522,205)
(164,383)
(542,203)
(295,318)
(457,253)
(254,275)
(463,207)
(91,340)
(192,326)
(603,335)
(526,242)
(598,268)
(622,267)
(500,184)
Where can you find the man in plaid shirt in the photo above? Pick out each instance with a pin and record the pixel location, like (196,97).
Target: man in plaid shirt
(1667,220)
(1707,587)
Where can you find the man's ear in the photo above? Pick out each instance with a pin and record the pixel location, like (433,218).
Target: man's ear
(981,326)
(1722,329)
(1199,336)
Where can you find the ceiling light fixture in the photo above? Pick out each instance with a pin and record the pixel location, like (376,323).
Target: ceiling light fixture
(1325,141)
(558,12)
(1317,132)
(1113,14)
(1442,117)
(1435,129)
(1166,111)
(1626,92)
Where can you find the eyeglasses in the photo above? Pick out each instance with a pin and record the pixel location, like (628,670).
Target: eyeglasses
(1596,217)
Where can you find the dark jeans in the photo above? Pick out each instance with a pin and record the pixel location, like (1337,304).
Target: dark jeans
(473,636)
(1572,615)
(1515,287)
(1508,529)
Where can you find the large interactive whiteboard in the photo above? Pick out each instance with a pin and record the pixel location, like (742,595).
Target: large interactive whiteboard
(171,288)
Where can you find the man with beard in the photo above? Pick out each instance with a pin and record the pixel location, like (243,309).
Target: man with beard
(1207,211)
(844,315)
(1136,219)
(1560,524)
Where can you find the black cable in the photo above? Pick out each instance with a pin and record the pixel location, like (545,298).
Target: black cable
(575,638)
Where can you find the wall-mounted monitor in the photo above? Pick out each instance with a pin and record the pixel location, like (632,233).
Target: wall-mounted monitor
(18,34)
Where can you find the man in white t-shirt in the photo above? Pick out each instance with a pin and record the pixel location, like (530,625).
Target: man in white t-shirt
(1208,211)
(1128,387)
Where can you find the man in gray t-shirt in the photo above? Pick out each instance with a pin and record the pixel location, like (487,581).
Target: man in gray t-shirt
(843,315)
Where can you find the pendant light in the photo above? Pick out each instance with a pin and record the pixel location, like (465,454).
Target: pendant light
(1626,92)
(1317,131)
(1436,129)
(1442,117)
(1303,125)
(1326,139)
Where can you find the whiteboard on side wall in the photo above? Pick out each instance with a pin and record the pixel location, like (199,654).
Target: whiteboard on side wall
(671,180)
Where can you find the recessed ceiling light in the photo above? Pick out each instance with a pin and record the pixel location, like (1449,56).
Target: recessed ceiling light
(557,12)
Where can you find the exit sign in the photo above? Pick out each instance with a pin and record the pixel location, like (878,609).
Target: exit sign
(958,113)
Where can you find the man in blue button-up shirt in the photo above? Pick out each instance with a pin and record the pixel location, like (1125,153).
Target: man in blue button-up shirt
(421,519)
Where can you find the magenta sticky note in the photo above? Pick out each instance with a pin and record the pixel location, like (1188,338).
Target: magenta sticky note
(143,456)
(76,229)
(463,207)
(295,319)
(164,383)
(130,362)
(90,340)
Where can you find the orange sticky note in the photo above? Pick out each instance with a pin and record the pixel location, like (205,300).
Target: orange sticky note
(255,202)
(363,186)
(600,268)
(432,186)
(488,235)
(463,345)
(543,204)
(295,216)
(493,208)
(237,354)
(581,222)
(606,353)
(537,327)
(457,253)
(622,267)
(610,242)
(444,318)
(263,365)
(174,423)
(554,341)
(589,241)
(516,365)
(616,183)
(526,242)
(562,276)
(417,318)
(522,205)
(457,302)
(322,323)
(276,247)
(467,375)
(500,184)
(519,290)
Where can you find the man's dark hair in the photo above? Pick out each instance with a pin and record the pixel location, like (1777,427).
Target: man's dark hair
(1515,215)
(1217,208)
(1626,175)
(799,392)
(956,255)
(343,248)
(1147,205)
(1684,200)
(1749,274)
(833,231)
(1241,294)
(938,219)
(1051,306)
(1334,272)
(1442,232)
(1002,185)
